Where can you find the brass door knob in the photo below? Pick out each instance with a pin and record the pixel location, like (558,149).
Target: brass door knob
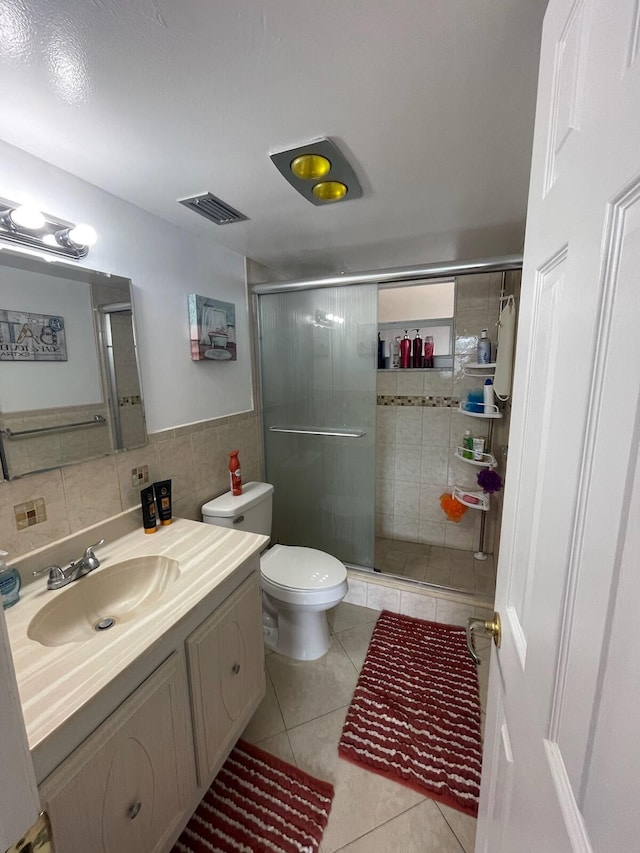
(492,627)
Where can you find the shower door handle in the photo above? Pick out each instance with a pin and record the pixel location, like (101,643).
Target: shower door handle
(341,433)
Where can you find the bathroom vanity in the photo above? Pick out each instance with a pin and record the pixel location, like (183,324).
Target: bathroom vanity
(128,727)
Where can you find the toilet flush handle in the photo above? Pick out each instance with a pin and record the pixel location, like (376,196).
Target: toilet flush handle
(239,519)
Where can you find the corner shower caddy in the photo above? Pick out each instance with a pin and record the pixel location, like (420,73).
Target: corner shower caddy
(478,499)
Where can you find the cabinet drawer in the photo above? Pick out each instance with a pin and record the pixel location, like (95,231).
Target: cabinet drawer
(226,673)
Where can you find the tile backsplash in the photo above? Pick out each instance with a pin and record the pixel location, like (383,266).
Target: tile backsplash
(194,457)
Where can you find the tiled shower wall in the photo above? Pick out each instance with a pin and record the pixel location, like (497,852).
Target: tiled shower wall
(419,427)
(194,457)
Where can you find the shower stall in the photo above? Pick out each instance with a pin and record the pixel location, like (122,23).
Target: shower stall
(318,362)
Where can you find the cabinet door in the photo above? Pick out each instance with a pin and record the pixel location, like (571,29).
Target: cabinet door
(226,669)
(128,786)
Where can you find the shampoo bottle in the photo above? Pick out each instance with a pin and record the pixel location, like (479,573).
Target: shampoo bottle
(484,349)
(467,445)
(9,583)
(234,473)
(405,350)
(149,515)
(489,402)
(428,352)
(395,353)
(416,353)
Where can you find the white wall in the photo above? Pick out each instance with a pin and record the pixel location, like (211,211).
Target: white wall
(165,264)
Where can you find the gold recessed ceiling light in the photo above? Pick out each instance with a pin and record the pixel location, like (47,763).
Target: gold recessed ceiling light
(319,172)
(329,190)
(310,167)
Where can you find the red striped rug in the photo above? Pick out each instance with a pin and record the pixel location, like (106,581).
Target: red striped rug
(415,712)
(256,803)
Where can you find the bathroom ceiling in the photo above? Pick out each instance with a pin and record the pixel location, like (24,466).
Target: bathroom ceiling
(432,102)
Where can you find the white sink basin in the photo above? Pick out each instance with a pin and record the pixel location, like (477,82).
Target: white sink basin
(119,592)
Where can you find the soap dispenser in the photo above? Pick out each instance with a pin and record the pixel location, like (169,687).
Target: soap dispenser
(9,583)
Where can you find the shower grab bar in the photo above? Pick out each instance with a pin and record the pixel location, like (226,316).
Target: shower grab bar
(342,433)
(96,421)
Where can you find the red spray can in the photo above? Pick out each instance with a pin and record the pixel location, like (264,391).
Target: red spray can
(234,473)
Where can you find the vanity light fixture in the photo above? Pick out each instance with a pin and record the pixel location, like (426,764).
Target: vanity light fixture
(319,172)
(25,225)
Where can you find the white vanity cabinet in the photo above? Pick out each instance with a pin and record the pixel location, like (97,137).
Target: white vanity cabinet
(131,786)
(226,674)
(128,787)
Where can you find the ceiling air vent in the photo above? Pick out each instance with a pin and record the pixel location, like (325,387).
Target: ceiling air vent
(213,208)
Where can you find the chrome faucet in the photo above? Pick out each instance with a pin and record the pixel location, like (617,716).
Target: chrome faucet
(59,577)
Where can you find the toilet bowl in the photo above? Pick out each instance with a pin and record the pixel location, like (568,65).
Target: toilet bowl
(299,584)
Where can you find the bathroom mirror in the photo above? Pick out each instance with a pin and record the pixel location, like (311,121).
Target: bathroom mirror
(69,377)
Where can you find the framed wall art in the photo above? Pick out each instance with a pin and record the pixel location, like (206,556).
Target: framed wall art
(212,329)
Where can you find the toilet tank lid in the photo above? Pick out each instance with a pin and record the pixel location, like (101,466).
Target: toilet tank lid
(229,505)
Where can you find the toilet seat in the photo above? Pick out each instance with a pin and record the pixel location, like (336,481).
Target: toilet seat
(290,567)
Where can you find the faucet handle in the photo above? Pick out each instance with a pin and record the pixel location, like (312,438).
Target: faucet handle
(90,558)
(56,576)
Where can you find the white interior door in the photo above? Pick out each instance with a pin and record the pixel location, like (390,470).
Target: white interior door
(562,753)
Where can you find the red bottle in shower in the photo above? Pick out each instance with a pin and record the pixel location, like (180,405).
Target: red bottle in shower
(234,473)
(428,351)
(405,351)
(416,351)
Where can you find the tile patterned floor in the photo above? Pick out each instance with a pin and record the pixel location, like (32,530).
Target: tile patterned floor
(301,719)
(433,564)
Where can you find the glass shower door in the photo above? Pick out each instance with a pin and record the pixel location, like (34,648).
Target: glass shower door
(318,354)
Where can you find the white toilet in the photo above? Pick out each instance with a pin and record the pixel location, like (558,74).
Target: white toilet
(298,584)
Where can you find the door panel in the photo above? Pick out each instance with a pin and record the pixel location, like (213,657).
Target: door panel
(565,579)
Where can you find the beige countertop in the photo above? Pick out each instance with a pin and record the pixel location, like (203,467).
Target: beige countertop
(57,683)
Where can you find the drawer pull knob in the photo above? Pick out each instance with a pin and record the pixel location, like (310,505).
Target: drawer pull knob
(235,669)
(134,810)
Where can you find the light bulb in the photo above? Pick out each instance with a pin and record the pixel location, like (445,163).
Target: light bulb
(27,216)
(83,235)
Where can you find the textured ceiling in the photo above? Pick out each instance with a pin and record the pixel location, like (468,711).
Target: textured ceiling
(432,101)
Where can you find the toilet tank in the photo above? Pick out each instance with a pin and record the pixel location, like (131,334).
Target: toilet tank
(250,511)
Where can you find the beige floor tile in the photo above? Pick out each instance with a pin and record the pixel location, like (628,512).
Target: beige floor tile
(363,800)
(421,829)
(463,826)
(279,746)
(305,689)
(267,720)
(355,641)
(347,615)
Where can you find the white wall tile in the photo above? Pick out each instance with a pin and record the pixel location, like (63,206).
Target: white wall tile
(410,384)
(384,496)
(436,426)
(409,426)
(420,606)
(383,598)
(386,424)
(387,384)
(407,500)
(407,463)
(452,612)
(431,532)
(434,464)
(357,592)
(405,528)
